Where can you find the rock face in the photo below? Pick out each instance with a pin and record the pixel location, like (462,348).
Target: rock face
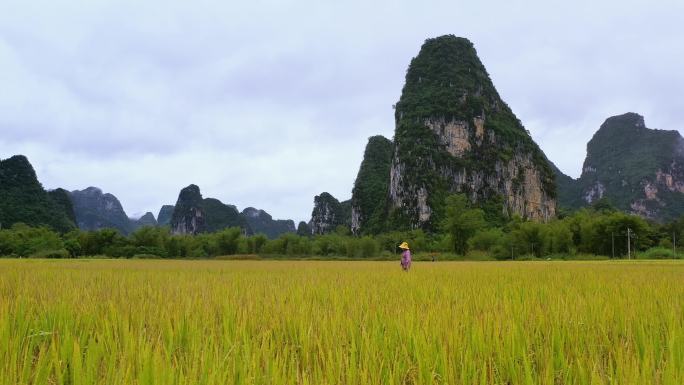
(194,214)
(369,196)
(23,199)
(638,169)
(262,223)
(146,220)
(95,210)
(455,134)
(188,215)
(328,213)
(165,214)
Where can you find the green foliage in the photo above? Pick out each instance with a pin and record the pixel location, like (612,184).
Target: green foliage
(660,253)
(227,241)
(220,216)
(101,242)
(486,240)
(527,239)
(604,233)
(461,221)
(24,241)
(150,236)
(61,197)
(256,243)
(557,239)
(23,199)
(586,234)
(369,195)
(603,205)
(494,213)
(52,254)
(360,248)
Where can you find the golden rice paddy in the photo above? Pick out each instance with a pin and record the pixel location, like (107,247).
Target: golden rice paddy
(302,322)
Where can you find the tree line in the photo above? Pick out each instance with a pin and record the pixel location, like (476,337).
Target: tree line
(466,231)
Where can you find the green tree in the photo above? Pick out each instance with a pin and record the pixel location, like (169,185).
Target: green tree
(227,240)
(102,242)
(149,236)
(461,221)
(256,243)
(25,241)
(527,239)
(557,238)
(485,240)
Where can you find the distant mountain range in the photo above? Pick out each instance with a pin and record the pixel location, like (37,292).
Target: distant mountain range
(23,199)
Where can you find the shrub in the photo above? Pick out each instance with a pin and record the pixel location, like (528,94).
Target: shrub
(61,253)
(485,240)
(658,253)
(145,256)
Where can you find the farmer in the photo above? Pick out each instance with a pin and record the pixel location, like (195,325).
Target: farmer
(405,256)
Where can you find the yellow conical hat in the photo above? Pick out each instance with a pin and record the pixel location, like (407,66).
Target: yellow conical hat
(404,246)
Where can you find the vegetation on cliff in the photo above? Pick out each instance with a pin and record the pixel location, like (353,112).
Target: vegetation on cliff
(447,84)
(23,199)
(329,213)
(638,169)
(165,214)
(369,196)
(193,214)
(63,200)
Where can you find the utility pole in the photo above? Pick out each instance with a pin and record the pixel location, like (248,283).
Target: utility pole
(629,252)
(612,243)
(674,245)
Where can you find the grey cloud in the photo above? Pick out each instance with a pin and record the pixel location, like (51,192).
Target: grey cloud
(268,103)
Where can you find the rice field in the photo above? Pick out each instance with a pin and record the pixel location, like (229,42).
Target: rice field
(303,322)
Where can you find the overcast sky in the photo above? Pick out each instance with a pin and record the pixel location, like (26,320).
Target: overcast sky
(268,103)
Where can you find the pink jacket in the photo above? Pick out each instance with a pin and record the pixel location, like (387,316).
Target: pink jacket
(406,258)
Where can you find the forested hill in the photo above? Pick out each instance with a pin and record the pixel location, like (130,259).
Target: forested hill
(23,199)
(455,134)
(637,169)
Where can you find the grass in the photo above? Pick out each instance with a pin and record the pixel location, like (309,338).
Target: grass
(310,322)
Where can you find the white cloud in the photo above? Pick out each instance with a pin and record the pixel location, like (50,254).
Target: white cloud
(269,103)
